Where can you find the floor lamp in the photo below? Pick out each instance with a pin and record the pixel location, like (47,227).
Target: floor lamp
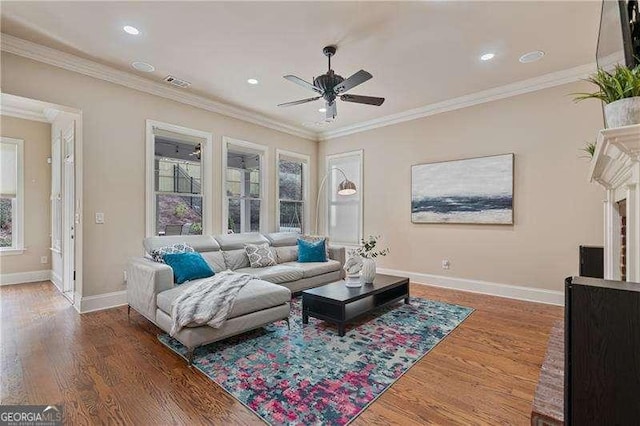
(346,187)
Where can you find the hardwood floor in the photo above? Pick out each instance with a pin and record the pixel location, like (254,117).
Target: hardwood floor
(104,368)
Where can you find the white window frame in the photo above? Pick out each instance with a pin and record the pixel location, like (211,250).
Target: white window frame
(264,181)
(360,192)
(17,207)
(306,164)
(206,170)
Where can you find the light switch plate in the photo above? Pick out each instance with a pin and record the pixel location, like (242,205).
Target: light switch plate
(100,218)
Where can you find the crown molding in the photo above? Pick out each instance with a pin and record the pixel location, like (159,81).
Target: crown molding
(518,88)
(24,113)
(37,52)
(57,58)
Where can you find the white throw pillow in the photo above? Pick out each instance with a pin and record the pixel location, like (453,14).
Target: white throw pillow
(260,255)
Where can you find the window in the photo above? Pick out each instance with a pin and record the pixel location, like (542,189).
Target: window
(244,182)
(344,215)
(179,183)
(292,193)
(11,195)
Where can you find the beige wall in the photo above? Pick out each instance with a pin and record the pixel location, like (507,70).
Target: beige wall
(555,210)
(114,157)
(37,187)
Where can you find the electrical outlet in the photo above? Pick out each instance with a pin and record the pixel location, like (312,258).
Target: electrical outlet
(44,259)
(99,218)
(446,264)
(124,276)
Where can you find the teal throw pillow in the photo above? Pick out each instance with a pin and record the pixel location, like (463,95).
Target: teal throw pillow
(188,266)
(312,251)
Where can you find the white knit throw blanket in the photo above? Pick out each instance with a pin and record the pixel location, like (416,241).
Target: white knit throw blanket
(208,302)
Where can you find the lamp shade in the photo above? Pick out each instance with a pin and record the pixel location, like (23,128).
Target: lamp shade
(347,187)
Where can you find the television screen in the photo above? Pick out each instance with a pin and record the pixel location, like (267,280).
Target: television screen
(619,36)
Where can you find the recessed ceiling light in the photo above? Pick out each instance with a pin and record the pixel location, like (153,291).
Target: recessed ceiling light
(536,55)
(487,56)
(322,110)
(131,30)
(252,81)
(143,66)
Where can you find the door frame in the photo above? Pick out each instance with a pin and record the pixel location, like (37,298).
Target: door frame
(33,109)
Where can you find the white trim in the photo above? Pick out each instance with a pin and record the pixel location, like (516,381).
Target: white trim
(56,280)
(264,181)
(93,69)
(17,233)
(101,301)
(306,173)
(360,192)
(509,291)
(25,114)
(501,92)
(25,277)
(207,174)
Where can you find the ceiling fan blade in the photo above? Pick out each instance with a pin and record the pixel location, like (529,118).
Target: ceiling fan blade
(351,82)
(303,83)
(332,110)
(301,101)
(369,100)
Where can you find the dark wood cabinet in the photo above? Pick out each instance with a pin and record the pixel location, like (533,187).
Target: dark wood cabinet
(602,359)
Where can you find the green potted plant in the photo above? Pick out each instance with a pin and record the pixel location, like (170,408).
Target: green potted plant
(619,89)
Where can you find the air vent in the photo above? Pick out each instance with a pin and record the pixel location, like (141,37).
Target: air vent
(177,82)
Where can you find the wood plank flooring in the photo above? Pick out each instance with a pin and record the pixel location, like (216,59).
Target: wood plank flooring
(105,369)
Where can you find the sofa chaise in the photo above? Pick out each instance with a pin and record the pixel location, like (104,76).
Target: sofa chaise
(265,299)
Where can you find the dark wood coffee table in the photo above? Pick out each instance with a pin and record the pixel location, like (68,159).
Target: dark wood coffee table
(340,304)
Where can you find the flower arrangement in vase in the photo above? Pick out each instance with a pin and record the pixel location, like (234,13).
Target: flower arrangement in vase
(369,253)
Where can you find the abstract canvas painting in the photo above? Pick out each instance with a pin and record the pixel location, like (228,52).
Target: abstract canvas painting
(474,190)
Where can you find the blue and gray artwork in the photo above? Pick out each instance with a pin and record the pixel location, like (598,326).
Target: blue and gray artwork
(476,190)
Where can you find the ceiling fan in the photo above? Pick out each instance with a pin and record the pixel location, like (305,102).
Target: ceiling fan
(331,86)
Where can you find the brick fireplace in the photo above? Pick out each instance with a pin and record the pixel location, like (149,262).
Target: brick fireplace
(616,167)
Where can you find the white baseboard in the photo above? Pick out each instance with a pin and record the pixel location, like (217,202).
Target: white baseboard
(101,301)
(509,291)
(25,277)
(56,280)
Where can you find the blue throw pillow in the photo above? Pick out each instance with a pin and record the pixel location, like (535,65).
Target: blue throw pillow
(312,251)
(188,266)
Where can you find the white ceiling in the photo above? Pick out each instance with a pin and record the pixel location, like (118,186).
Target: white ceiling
(419,53)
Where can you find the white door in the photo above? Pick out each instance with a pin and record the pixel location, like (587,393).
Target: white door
(68,210)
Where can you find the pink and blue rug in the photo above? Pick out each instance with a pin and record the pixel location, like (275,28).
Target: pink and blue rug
(310,375)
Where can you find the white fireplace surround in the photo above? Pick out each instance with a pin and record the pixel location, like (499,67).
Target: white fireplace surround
(616,166)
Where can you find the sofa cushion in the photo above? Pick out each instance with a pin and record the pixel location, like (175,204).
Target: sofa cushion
(200,243)
(236,259)
(215,259)
(283,239)
(237,241)
(286,254)
(255,296)
(260,255)
(275,274)
(312,269)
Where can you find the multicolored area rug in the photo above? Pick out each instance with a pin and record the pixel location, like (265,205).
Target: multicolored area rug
(310,375)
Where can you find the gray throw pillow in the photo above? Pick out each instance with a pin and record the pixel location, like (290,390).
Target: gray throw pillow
(260,255)
(158,254)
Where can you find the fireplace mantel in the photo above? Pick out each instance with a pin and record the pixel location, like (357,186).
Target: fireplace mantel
(616,167)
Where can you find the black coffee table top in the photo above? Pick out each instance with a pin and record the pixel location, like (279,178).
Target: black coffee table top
(339,292)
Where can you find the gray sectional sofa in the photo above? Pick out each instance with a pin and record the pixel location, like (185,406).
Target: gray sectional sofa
(151,290)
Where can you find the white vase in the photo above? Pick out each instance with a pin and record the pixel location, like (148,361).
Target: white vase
(368,270)
(623,112)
